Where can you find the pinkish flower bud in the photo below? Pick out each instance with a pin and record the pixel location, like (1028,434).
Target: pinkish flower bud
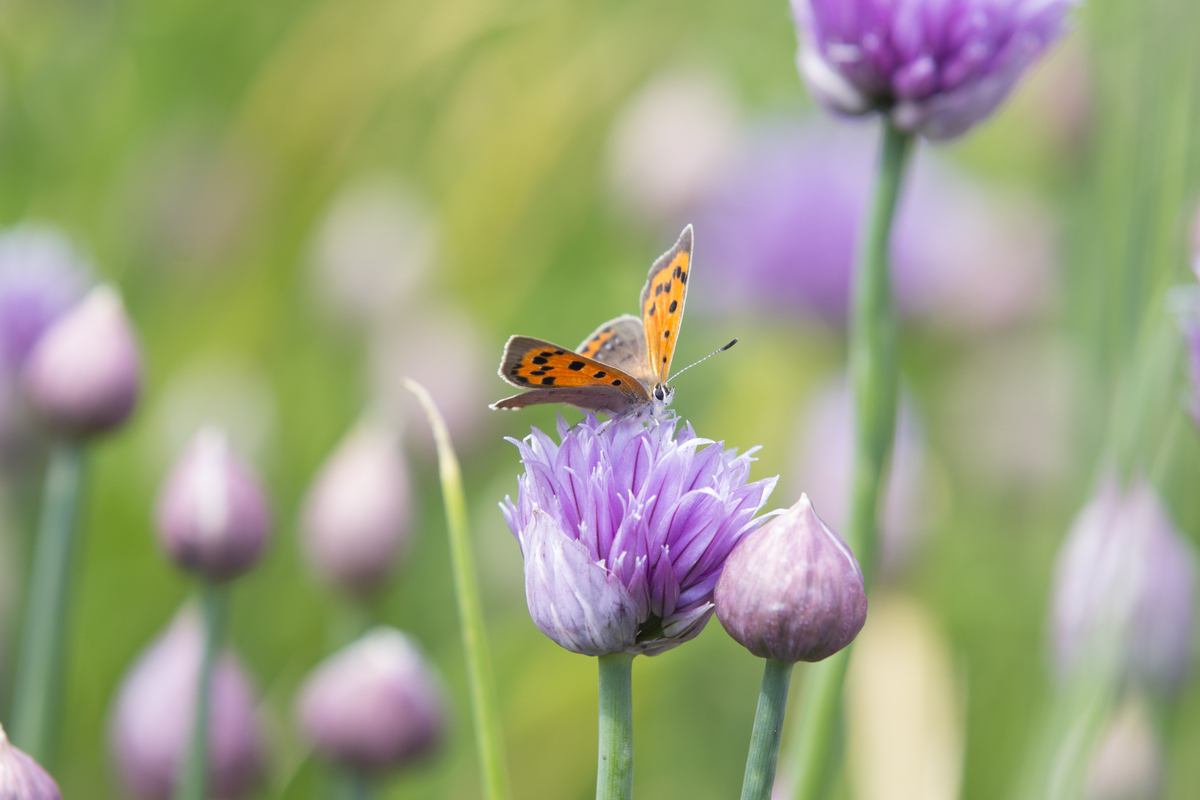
(374,705)
(1125,588)
(1128,762)
(792,590)
(356,516)
(212,515)
(84,374)
(151,720)
(22,778)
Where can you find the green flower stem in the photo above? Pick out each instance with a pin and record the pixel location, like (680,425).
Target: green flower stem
(873,370)
(488,741)
(193,780)
(354,784)
(614,767)
(768,729)
(38,688)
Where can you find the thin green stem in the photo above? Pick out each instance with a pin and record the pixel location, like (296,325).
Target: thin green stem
(614,767)
(488,740)
(874,373)
(768,729)
(353,784)
(193,780)
(38,688)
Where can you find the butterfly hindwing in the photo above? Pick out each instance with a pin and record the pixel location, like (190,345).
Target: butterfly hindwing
(662,304)
(620,342)
(554,374)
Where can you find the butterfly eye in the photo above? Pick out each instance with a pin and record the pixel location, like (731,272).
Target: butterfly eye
(660,393)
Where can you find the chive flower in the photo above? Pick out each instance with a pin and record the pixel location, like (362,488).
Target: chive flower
(625,529)
(935,67)
(150,723)
(22,778)
(374,705)
(41,278)
(792,590)
(1125,589)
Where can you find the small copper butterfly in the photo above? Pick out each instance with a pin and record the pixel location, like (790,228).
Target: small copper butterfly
(622,367)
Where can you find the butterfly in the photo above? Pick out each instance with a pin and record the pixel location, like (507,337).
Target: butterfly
(622,367)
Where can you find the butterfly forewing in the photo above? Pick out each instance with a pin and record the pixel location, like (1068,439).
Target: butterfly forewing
(554,374)
(662,304)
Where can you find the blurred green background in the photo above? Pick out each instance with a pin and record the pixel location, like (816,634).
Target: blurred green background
(193,150)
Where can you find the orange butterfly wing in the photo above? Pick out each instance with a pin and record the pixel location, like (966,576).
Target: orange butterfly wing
(554,374)
(662,304)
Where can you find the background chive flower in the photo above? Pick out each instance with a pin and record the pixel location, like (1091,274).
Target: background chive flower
(1125,585)
(212,515)
(151,720)
(22,778)
(934,66)
(374,705)
(84,374)
(624,530)
(41,277)
(783,224)
(356,514)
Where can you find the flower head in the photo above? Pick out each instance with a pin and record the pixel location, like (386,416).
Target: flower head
(212,516)
(783,227)
(792,590)
(934,66)
(375,704)
(1125,588)
(84,374)
(22,778)
(356,516)
(41,277)
(151,720)
(625,528)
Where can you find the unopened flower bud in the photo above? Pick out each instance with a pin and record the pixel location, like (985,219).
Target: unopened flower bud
(22,778)
(1125,588)
(84,374)
(151,722)
(356,519)
(374,705)
(212,517)
(792,590)
(1128,761)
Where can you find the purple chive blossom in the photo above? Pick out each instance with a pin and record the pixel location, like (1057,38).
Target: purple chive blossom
(624,530)
(782,229)
(41,276)
(22,778)
(935,67)
(1125,588)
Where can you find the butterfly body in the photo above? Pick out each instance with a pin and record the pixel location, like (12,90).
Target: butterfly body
(622,367)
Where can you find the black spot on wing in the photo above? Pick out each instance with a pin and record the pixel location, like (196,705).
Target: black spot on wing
(576,365)
(548,381)
(600,374)
(674,305)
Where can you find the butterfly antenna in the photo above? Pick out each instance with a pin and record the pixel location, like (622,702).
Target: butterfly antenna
(701,361)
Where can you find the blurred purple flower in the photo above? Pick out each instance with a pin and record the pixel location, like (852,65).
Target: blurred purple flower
(212,515)
(671,144)
(356,514)
(935,67)
(783,229)
(375,704)
(825,464)
(1125,588)
(792,590)
(22,778)
(84,374)
(151,719)
(624,530)
(41,276)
